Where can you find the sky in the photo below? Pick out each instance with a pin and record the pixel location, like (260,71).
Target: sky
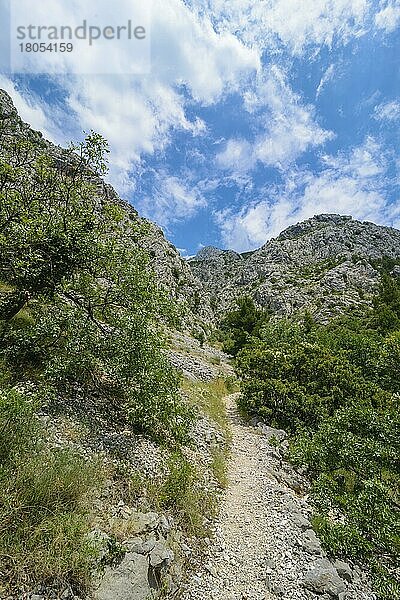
(256,114)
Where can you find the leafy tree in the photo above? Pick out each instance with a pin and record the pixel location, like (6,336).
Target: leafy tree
(79,302)
(386,315)
(241,324)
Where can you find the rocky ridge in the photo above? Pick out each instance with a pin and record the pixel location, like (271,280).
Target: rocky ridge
(327,265)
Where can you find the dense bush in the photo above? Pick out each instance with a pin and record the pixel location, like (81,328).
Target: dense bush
(241,324)
(335,388)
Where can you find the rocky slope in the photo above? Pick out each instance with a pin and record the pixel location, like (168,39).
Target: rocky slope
(140,551)
(173,273)
(325,264)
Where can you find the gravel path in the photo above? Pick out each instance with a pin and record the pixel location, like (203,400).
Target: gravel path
(263,546)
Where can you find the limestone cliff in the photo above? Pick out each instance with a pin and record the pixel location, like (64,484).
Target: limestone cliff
(326,264)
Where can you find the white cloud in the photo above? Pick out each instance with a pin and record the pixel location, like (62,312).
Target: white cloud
(288,127)
(388,18)
(135,119)
(137,114)
(353,184)
(199,57)
(173,200)
(34,112)
(362,163)
(388,111)
(314,23)
(102,56)
(291,125)
(326,78)
(252,225)
(237,156)
(188,50)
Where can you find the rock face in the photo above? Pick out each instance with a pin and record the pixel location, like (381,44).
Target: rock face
(139,569)
(172,271)
(325,264)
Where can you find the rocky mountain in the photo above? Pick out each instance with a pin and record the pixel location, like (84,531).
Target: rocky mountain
(172,271)
(325,264)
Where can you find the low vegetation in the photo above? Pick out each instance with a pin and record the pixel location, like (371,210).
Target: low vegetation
(44,503)
(209,398)
(335,389)
(182,491)
(79,310)
(241,325)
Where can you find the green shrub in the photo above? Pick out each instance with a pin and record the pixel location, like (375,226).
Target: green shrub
(183,492)
(79,303)
(335,389)
(241,324)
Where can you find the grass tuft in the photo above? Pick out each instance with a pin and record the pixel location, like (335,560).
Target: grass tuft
(44,495)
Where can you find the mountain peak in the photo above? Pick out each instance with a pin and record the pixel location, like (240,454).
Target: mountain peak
(314,222)
(7,108)
(211,252)
(328,264)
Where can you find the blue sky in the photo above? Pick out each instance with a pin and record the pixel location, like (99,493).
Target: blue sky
(256,114)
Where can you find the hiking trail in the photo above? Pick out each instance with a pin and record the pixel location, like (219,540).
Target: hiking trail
(264,547)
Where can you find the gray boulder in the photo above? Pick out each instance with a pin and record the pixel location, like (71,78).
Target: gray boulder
(344,570)
(310,542)
(128,581)
(145,522)
(160,555)
(323,579)
(300,521)
(272,433)
(396,271)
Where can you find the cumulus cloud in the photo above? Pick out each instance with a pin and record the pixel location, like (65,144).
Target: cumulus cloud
(202,51)
(188,50)
(317,23)
(173,200)
(34,111)
(120,56)
(253,225)
(138,114)
(238,156)
(362,162)
(348,184)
